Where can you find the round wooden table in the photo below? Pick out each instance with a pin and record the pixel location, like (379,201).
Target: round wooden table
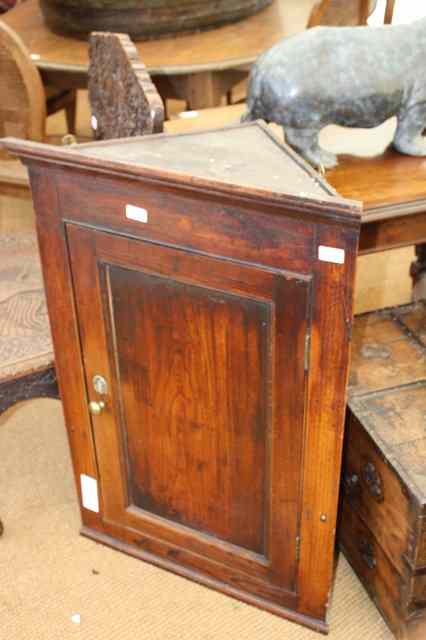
(199,68)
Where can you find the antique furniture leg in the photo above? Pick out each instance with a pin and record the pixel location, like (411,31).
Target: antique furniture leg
(65,99)
(390,6)
(204,90)
(38,384)
(364,11)
(418,273)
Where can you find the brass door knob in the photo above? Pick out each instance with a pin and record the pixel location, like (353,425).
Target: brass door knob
(96,408)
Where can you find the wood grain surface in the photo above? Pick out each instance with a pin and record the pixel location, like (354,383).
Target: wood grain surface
(214,261)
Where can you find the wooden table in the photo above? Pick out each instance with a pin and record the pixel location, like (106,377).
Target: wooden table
(199,68)
(392,187)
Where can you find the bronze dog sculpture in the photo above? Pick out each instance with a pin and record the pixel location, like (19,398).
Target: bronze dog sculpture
(351,76)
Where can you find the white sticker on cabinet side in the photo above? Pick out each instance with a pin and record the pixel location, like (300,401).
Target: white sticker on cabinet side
(89,493)
(331,254)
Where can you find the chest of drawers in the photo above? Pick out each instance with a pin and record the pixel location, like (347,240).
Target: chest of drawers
(383,519)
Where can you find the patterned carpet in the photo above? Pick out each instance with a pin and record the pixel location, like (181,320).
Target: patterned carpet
(25,343)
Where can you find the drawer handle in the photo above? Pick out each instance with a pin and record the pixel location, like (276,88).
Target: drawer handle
(351,485)
(373,480)
(367,553)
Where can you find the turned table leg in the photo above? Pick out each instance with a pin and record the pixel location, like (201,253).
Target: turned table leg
(418,273)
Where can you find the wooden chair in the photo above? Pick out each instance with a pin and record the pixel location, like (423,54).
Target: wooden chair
(28,104)
(28,101)
(346,12)
(123,99)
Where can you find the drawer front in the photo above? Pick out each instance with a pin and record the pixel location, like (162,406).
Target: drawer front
(419,589)
(384,585)
(372,490)
(189,220)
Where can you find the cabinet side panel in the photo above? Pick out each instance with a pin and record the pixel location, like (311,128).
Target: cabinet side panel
(328,373)
(63,322)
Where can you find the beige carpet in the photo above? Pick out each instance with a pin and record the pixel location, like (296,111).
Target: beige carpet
(48,573)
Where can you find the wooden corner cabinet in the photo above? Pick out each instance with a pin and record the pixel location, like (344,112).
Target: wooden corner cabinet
(200,296)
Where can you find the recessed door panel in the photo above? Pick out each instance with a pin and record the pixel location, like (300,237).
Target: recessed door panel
(194,366)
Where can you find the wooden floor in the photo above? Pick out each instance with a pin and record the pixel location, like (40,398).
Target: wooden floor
(382,279)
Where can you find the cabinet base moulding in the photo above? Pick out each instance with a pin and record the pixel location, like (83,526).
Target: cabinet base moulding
(195,576)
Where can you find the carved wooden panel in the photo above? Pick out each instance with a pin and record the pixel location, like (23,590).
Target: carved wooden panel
(123,99)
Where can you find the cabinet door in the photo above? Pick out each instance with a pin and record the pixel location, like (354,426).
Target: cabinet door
(200,443)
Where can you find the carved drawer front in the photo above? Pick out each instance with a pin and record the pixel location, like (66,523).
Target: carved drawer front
(383,583)
(192,481)
(373,490)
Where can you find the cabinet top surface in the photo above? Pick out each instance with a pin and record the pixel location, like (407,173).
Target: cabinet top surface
(245,155)
(244,159)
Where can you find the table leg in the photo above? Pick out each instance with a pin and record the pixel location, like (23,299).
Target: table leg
(390,6)
(418,273)
(204,90)
(200,90)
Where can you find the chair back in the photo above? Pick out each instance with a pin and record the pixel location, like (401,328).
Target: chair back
(123,99)
(341,12)
(23,101)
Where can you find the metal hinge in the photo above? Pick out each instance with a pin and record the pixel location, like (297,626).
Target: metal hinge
(297,548)
(307,349)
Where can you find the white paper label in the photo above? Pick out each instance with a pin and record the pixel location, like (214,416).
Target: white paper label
(89,493)
(94,123)
(188,114)
(331,254)
(136,213)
